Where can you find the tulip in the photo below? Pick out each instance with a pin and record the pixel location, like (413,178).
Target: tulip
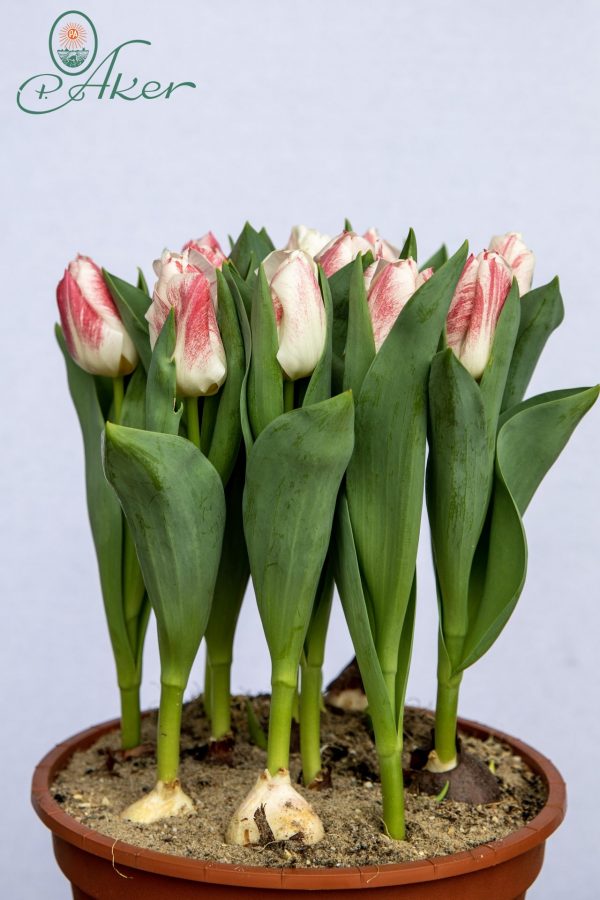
(185,285)
(342,250)
(299,310)
(480,294)
(208,247)
(381,249)
(95,335)
(390,287)
(518,255)
(309,240)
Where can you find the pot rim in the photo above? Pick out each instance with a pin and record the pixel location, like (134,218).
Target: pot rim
(484,856)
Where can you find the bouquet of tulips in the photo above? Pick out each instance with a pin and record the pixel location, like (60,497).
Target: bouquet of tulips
(281,414)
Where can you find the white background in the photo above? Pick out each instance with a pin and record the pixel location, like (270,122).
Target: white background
(461,119)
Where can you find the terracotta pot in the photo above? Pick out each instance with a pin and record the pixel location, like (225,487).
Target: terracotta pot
(100,868)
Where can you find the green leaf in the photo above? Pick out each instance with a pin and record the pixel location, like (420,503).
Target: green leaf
(319,386)
(173,500)
(409,248)
(248,243)
(493,380)
(349,581)
(459,480)
(104,514)
(436,260)
(542,311)
(531,437)
(339,284)
(245,286)
(384,483)
(347,225)
(233,575)
(265,378)
(405,654)
(256,734)
(142,284)
(132,304)
(162,413)
(292,479)
(133,412)
(360,343)
(227,433)
(314,643)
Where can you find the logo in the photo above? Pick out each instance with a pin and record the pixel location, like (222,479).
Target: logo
(73,45)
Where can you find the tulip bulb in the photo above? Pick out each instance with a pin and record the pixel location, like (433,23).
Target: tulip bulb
(275,807)
(163,802)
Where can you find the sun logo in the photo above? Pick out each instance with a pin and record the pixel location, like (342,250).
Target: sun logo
(72,36)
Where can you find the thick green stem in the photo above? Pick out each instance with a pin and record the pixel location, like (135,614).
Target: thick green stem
(118,395)
(130,717)
(392,792)
(310,721)
(220,702)
(283,692)
(193,420)
(446,712)
(288,395)
(169,728)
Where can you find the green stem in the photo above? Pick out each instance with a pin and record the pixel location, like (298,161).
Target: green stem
(392,792)
(446,713)
(118,395)
(169,729)
(207,697)
(288,396)
(133,588)
(130,717)
(310,722)
(193,420)
(220,700)
(283,692)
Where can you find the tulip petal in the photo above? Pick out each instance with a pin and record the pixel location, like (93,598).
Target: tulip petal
(340,251)
(391,288)
(515,251)
(199,354)
(299,313)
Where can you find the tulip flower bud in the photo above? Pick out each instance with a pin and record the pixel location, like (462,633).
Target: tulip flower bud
(518,255)
(299,310)
(480,294)
(187,284)
(208,247)
(391,285)
(342,250)
(381,249)
(95,335)
(309,240)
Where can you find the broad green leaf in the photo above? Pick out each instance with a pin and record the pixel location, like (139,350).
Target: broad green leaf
(132,304)
(405,654)
(459,480)
(142,284)
(233,575)
(173,500)
(530,439)
(384,482)
(436,260)
(542,311)
(227,433)
(265,378)
(248,243)
(104,514)
(162,413)
(493,380)
(133,412)
(339,284)
(409,248)
(360,343)
(319,385)
(314,643)
(293,475)
(349,581)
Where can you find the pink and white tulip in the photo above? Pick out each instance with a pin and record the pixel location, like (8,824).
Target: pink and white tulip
(309,240)
(299,310)
(95,335)
(342,250)
(186,283)
(478,300)
(381,249)
(391,287)
(518,255)
(208,247)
